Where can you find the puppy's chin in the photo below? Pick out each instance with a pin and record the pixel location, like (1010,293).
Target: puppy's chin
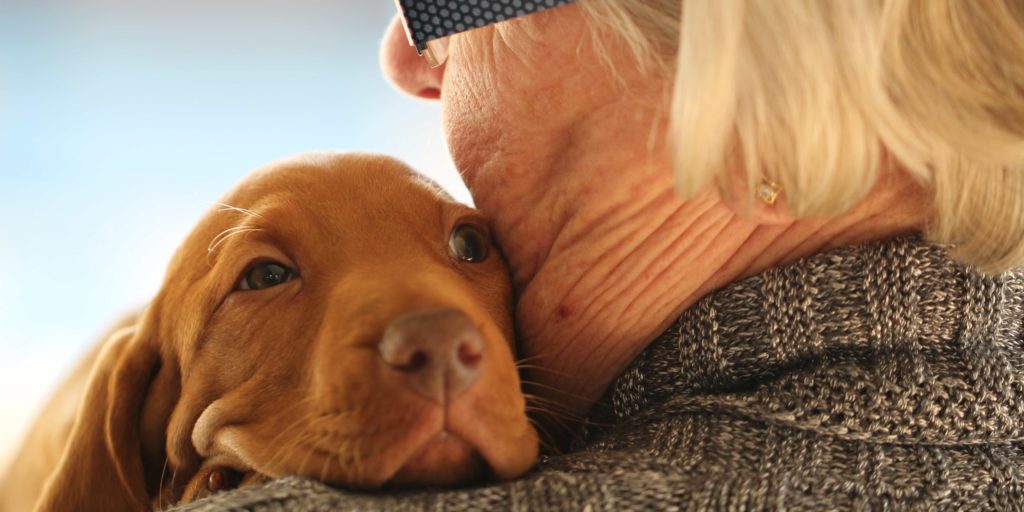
(445,460)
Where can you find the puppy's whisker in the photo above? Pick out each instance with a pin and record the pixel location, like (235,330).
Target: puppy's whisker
(552,404)
(341,463)
(325,435)
(439,192)
(243,211)
(566,421)
(357,460)
(553,408)
(543,437)
(228,233)
(174,479)
(298,421)
(163,474)
(284,451)
(528,359)
(540,409)
(570,430)
(553,401)
(528,383)
(546,440)
(357,472)
(352,447)
(312,437)
(324,466)
(303,440)
(521,367)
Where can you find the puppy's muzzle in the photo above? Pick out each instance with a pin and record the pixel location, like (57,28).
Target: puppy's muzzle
(438,353)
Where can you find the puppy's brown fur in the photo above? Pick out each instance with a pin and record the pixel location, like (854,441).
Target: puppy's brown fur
(286,380)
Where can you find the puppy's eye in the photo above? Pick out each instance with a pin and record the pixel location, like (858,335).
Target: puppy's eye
(222,478)
(265,274)
(468,243)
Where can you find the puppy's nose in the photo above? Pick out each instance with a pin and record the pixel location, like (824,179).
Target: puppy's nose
(437,352)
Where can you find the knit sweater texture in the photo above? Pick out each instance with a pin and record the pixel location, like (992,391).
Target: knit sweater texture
(877,377)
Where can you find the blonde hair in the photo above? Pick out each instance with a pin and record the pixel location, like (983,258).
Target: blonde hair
(817,95)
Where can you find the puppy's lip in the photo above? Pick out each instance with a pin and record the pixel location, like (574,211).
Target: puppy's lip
(508,457)
(464,448)
(444,459)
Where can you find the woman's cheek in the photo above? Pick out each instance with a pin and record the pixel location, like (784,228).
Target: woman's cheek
(476,119)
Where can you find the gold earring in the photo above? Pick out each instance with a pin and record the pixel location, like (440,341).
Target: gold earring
(768,191)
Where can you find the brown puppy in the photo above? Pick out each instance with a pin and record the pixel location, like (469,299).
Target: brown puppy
(339,318)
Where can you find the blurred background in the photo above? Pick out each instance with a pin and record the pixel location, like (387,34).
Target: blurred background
(121,121)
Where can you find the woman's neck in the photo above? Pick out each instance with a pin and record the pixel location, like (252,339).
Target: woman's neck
(605,257)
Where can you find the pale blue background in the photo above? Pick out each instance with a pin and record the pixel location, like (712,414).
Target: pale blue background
(121,121)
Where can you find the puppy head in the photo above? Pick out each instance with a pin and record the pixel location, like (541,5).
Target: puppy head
(304,280)
(337,318)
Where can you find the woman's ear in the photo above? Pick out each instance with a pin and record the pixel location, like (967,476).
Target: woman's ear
(763,202)
(116,444)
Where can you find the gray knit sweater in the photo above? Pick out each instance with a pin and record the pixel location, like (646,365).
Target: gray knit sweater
(877,377)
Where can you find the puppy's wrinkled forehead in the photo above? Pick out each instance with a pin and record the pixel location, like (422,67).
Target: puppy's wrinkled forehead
(327,200)
(321,183)
(321,189)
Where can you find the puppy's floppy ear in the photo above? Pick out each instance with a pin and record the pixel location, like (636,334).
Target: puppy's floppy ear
(115,453)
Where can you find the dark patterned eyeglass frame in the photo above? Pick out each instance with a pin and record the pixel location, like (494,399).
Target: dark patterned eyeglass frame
(428,23)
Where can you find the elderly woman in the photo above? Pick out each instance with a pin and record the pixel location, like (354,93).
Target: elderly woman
(762,247)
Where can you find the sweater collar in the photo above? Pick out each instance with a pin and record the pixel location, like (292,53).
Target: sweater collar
(891,342)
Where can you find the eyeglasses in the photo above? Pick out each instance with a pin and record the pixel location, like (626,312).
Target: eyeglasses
(429,23)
